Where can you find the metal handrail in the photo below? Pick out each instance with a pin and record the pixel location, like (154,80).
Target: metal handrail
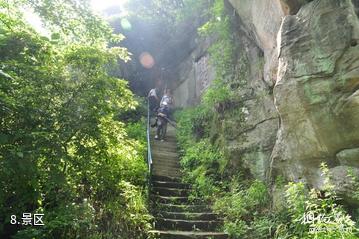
(149,152)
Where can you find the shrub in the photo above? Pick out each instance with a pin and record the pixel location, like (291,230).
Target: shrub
(316,214)
(62,153)
(244,211)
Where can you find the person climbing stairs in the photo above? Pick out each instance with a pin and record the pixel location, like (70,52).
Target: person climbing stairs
(177,217)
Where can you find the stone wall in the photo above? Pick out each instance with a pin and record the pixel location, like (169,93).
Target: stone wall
(193,75)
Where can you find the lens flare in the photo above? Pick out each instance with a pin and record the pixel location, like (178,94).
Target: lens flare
(147,60)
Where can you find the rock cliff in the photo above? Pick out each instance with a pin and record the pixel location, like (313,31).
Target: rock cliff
(316,91)
(298,69)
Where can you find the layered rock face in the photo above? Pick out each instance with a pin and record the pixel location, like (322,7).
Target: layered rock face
(315,58)
(248,128)
(317,92)
(299,62)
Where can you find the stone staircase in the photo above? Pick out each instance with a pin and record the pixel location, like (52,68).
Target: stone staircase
(176,217)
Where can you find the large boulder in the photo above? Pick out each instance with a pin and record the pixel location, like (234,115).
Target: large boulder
(261,21)
(317,90)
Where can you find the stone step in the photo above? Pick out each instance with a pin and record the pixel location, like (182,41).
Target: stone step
(159,153)
(173,210)
(170,142)
(186,225)
(170,207)
(172,161)
(167,168)
(165,171)
(166,174)
(171,134)
(171,200)
(167,184)
(166,178)
(164,150)
(168,138)
(170,191)
(165,154)
(188,235)
(171,147)
(163,158)
(169,161)
(207,216)
(157,157)
(165,144)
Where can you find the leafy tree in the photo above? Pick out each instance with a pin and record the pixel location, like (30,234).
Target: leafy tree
(61,151)
(170,12)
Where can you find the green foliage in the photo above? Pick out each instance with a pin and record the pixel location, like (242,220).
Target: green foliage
(236,229)
(169,12)
(222,51)
(280,181)
(217,93)
(316,211)
(244,211)
(134,115)
(245,205)
(62,153)
(73,19)
(201,162)
(198,122)
(296,196)
(191,8)
(240,203)
(156,9)
(192,124)
(355,181)
(137,130)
